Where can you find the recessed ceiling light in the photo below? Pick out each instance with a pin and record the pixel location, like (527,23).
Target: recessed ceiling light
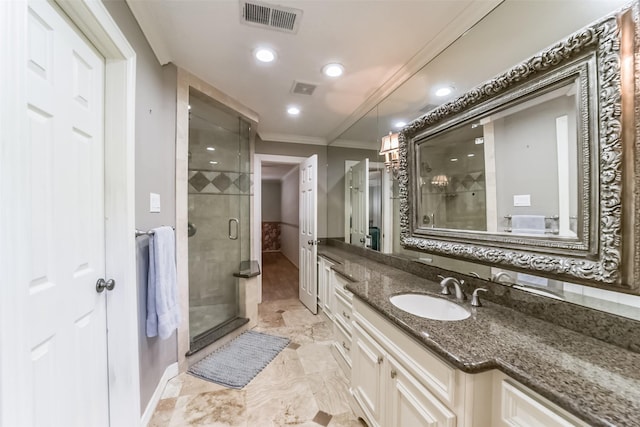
(400,124)
(454,159)
(333,70)
(293,111)
(474,125)
(479,141)
(444,91)
(265,55)
(211,149)
(213,162)
(471,155)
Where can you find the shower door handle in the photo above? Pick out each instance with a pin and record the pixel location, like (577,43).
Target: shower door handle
(233,236)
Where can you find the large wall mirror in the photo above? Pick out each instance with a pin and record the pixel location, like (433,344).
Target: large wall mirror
(493,45)
(554,145)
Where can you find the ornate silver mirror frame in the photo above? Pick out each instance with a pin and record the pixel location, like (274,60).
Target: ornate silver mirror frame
(602,59)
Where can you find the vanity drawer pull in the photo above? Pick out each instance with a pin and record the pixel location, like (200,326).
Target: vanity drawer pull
(344,313)
(380,360)
(394,374)
(344,345)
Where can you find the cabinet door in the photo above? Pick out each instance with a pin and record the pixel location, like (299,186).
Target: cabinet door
(366,375)
(411,404)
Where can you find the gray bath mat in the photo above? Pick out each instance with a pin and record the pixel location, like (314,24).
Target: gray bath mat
(236,363)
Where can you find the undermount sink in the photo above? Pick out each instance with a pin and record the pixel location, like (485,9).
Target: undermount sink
(430,307)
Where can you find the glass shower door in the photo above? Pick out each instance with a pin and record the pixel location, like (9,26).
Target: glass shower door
(219,188)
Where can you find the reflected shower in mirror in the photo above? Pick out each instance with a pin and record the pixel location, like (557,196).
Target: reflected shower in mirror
(513,170)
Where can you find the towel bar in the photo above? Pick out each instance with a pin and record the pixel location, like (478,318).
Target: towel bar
(146,233)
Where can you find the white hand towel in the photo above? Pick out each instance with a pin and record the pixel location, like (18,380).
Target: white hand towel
(163,311)
(528,224)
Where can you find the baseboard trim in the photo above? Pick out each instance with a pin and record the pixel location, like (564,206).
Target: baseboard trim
(171,371)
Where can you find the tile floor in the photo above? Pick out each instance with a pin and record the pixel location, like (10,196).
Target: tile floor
(302,386)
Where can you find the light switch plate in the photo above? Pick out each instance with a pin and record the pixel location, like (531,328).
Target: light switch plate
(154,202)
(522,200)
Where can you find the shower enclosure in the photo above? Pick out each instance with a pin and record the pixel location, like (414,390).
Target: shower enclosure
(219,184)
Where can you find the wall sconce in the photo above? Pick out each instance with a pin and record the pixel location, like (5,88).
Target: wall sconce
(390,149)
(440,181)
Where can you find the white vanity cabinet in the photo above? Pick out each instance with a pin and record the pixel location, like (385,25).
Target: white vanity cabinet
(396,381)
(391,381)
(342,324)
(325,286)
(516,405)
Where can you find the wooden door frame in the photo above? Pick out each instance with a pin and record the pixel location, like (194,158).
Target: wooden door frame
(92,18)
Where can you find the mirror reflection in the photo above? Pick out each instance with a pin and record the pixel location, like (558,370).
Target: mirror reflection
(509,171)
(490,47)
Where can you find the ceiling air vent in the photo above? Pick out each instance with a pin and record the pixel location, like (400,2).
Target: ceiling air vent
(303,88)
(270,16)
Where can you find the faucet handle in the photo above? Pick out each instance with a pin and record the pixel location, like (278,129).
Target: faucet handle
(475,298)
(440,276)
(445,288)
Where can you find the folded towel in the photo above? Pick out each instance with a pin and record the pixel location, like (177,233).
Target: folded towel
(163,311)
(528,224)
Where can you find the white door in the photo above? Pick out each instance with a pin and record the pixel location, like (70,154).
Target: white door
(66,316)
(308,286)
(360,203)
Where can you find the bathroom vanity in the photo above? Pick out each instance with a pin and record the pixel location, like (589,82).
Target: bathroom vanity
(499,367)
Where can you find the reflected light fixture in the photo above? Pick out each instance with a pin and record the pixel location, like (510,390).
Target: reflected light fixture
(479,141)
(390,149)
(211,149)
(440,181)
(400,124)
(444,91)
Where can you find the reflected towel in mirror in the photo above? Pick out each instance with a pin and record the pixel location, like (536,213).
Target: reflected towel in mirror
(528,224)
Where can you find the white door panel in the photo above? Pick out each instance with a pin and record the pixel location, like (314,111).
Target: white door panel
(66,316)
(360,203)
(308,289)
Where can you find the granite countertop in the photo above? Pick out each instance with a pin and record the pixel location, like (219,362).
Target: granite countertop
(597,382)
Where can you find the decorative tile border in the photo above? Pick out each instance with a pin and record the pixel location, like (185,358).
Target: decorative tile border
(219,182)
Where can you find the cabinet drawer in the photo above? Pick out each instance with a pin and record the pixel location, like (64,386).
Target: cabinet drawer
(340,288)
(342,342)
(343,311)
(522,407)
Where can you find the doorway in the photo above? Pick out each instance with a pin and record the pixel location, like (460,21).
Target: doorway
(280,223)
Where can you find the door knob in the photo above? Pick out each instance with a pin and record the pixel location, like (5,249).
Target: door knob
(101,285)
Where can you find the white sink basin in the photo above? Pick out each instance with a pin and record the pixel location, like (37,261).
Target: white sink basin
(430,307)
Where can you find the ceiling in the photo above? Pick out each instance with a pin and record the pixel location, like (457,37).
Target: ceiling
(380,43)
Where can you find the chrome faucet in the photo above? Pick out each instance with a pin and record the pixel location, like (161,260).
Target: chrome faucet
(457,285)
(496,277)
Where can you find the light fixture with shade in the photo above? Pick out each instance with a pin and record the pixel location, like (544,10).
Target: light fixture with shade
(440,181)
(391,149)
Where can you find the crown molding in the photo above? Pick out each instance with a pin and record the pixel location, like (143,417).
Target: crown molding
(144,16)
(295,139)
(456,28)
(362,145)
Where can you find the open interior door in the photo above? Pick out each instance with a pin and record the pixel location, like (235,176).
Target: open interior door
(308,287)
(360,203)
